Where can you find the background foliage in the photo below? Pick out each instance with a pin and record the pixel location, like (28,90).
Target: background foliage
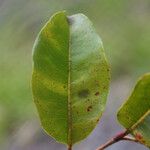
(124,27)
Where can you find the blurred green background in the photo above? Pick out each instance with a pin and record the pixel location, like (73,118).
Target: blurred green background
(124,26)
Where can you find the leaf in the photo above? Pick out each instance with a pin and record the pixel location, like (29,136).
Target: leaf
(70,77)
(135,113)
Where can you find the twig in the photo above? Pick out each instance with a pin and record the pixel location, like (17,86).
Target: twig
(117,138)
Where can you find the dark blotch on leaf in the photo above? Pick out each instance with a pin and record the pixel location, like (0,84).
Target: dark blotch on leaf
(108,69)
(89,108)
(97,93)
(64,86)
(83,93)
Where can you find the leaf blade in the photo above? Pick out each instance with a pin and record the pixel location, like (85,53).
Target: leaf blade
(70,77)
(47,85)
(90,76)
(141,130)
(134,109)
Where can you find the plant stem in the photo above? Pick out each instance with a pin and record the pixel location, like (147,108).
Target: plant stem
(69,147)
(117,138)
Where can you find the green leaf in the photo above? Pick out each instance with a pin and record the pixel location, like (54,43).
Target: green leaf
(135,113)
(70,77)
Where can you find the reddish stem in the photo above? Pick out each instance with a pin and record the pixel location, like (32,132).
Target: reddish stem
(117,138)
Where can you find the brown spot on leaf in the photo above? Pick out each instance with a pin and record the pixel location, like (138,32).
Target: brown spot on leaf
(83,93)
(89,108)
(138,136)
(97,93)
(108,69)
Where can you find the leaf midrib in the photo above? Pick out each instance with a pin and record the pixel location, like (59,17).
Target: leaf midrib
(140,120)
(69,93)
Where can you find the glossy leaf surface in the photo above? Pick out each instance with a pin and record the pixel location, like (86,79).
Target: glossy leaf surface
(70,77)
(135,113)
